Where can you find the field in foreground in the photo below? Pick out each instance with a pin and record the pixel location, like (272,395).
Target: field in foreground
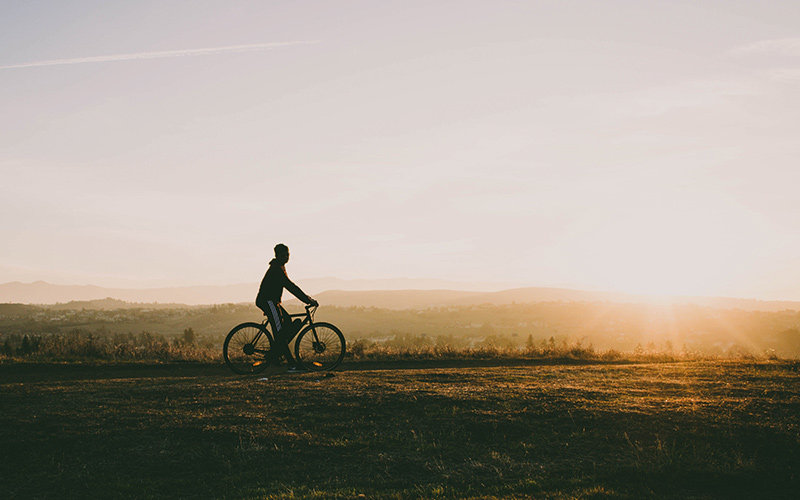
(678,430)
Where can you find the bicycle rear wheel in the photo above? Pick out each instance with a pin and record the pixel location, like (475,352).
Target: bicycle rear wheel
(246,347)
(319,347)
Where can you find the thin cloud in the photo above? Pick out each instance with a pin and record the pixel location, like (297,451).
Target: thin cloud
(157,55)
(785,75)
(781,46)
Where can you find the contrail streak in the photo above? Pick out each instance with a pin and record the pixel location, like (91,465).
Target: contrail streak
(156,55)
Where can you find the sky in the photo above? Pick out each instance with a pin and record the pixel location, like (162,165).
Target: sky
(626,145)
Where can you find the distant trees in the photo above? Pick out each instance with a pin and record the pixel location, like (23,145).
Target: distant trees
(532,329)
(25,345)
(7,349)
(189,337)
(81,345)
(29,345)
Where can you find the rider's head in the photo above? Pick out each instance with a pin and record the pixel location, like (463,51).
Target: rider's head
(282,252)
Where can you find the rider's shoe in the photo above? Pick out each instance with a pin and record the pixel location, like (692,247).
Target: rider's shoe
(296,369)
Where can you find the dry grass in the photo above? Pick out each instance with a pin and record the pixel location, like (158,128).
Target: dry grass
(81,346)
(669,430)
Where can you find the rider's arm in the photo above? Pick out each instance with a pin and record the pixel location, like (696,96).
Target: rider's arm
(295,290)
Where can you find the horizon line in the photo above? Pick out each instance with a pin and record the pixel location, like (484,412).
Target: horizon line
(574,288)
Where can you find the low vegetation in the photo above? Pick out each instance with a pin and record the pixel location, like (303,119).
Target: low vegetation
(107,331)
(80,346)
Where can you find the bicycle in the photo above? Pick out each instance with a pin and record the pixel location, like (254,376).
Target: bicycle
(319,346)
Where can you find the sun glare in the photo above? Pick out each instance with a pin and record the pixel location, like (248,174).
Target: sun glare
(667,252)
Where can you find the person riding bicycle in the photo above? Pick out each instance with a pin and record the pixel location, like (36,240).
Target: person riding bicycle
(269,301)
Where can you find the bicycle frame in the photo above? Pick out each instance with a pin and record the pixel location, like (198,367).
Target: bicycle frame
(308,319)
(317,345)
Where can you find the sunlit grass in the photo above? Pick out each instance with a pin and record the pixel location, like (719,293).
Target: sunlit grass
(150,348)
(666,430)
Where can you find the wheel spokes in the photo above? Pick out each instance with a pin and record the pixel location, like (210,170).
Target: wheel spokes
(246,349)
(320,348)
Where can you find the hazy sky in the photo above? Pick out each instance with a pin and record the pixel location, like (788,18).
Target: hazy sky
(633,145)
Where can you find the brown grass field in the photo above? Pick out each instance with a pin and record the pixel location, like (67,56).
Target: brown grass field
(438,429)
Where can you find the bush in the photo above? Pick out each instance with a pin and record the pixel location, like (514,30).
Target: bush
(78,345)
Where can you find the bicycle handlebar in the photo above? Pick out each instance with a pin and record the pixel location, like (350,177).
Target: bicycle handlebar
(311,310)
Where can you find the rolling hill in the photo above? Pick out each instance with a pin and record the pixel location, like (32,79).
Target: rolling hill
(348,294)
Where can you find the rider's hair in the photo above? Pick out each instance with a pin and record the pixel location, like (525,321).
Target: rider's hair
(281,248)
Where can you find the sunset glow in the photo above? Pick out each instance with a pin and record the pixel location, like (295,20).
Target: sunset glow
(645,147)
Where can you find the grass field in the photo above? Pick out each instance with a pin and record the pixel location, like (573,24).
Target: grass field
(489,429)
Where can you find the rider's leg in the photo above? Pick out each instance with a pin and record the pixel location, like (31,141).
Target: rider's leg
(271,357)
(285,330)
(287,333)
(279,321)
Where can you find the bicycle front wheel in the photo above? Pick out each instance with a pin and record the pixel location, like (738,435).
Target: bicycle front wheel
(319,347)
(246,347)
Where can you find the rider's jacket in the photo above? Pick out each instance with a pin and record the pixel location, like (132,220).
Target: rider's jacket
(275,280)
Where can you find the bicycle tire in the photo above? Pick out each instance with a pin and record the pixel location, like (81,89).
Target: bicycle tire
(241,355)
(323,352)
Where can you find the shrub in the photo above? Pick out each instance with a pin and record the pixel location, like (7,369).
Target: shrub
(78,345)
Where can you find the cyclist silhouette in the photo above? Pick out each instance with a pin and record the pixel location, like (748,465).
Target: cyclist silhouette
(269,301)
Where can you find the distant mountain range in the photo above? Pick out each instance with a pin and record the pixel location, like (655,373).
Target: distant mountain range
(420,299)
(41,292)
(405,294)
